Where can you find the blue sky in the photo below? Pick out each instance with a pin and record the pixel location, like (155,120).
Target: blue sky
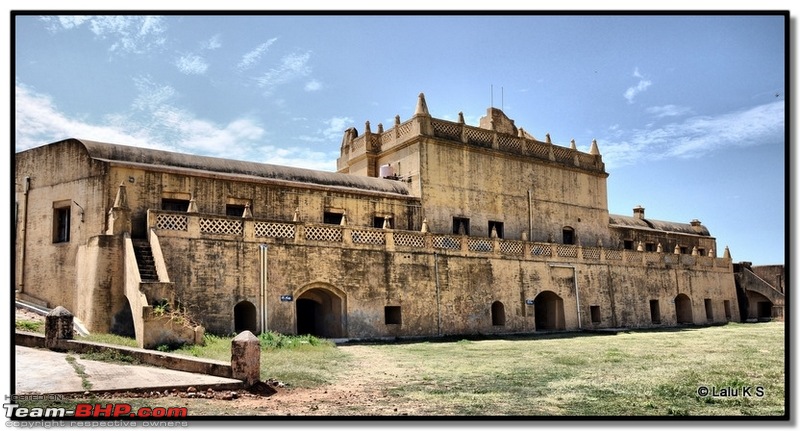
(688,111)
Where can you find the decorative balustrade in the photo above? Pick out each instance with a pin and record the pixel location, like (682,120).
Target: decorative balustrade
(471,135)
(192,225)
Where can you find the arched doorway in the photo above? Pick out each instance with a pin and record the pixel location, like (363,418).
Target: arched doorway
(498,314)
(548,310)
(683,309)
(320,312)
(244,317)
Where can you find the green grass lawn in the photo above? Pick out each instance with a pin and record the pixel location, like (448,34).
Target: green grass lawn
(634,373)
(629,374)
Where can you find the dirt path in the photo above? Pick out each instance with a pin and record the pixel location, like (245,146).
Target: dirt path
(361,390)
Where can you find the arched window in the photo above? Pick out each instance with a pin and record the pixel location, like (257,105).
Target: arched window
(568,235)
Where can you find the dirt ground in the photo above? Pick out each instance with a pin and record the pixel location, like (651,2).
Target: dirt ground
(361,390)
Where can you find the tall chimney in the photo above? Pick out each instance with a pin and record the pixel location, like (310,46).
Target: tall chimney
(638,212)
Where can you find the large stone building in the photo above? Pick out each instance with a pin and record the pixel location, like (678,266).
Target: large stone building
(428,228)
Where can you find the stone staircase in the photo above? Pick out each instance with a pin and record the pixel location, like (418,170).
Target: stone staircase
(145,261)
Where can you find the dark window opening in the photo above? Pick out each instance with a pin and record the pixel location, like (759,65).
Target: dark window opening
(496,227)
(649,246)
(727,305)
(595,312)
(380,222)
(181,205)
(684,250)
(701,251)
(392,315)
(460,226)
(234,210)
(628,244)
(61,224)
(568,235)
(709,310)
(498,314)
(332,218)
(655,312)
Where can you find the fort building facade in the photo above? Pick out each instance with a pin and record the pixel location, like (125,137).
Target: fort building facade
(428,228)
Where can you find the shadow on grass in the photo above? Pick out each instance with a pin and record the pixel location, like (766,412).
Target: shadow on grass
(540,335)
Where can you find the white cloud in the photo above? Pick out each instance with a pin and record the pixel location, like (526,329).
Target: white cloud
(156,123)
(313,85)
(56,23)
(212,43)
(191,64)
(250,58)
(301,158)
(292,66)
(631,92)
(697,136)
(668,111)
(134,34)
(336,127)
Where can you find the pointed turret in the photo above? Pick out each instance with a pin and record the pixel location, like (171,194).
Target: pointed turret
(572,145)
(192,206)
(422,107)
(424,226)
(727,254)
(296,216)
(247,213)
(594,150)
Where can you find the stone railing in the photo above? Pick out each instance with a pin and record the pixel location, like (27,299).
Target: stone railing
(473,136)
(191,225)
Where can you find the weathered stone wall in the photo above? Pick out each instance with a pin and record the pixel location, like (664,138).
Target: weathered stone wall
(62,175)
(772,274)
(465,181)
(441,293)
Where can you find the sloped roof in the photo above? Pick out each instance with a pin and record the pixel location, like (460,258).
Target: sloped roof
(656,225)
(127,154)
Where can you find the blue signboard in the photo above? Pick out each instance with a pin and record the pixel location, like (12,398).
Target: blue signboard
(286,298)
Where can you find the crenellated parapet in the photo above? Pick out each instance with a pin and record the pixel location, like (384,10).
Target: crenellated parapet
(496,133)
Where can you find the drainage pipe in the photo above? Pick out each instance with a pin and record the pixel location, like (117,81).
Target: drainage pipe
(530,216)
(438,306)
(23,234)
(263,284)
(575,285)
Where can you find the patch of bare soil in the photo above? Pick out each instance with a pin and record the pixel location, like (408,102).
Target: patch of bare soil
(23,314)
(362,390)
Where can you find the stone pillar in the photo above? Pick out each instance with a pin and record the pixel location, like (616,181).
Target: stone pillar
(57,327)
(246,358)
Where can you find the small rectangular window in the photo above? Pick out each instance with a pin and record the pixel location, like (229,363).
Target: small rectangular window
(392,315)
(595,312)
(701,251)
(460,226)
(628,244)
(234,210)
(496,228)
(332,218)
(181,205)
(655,312)
(61,221)
(727,305)
(684,250)
(649,246)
